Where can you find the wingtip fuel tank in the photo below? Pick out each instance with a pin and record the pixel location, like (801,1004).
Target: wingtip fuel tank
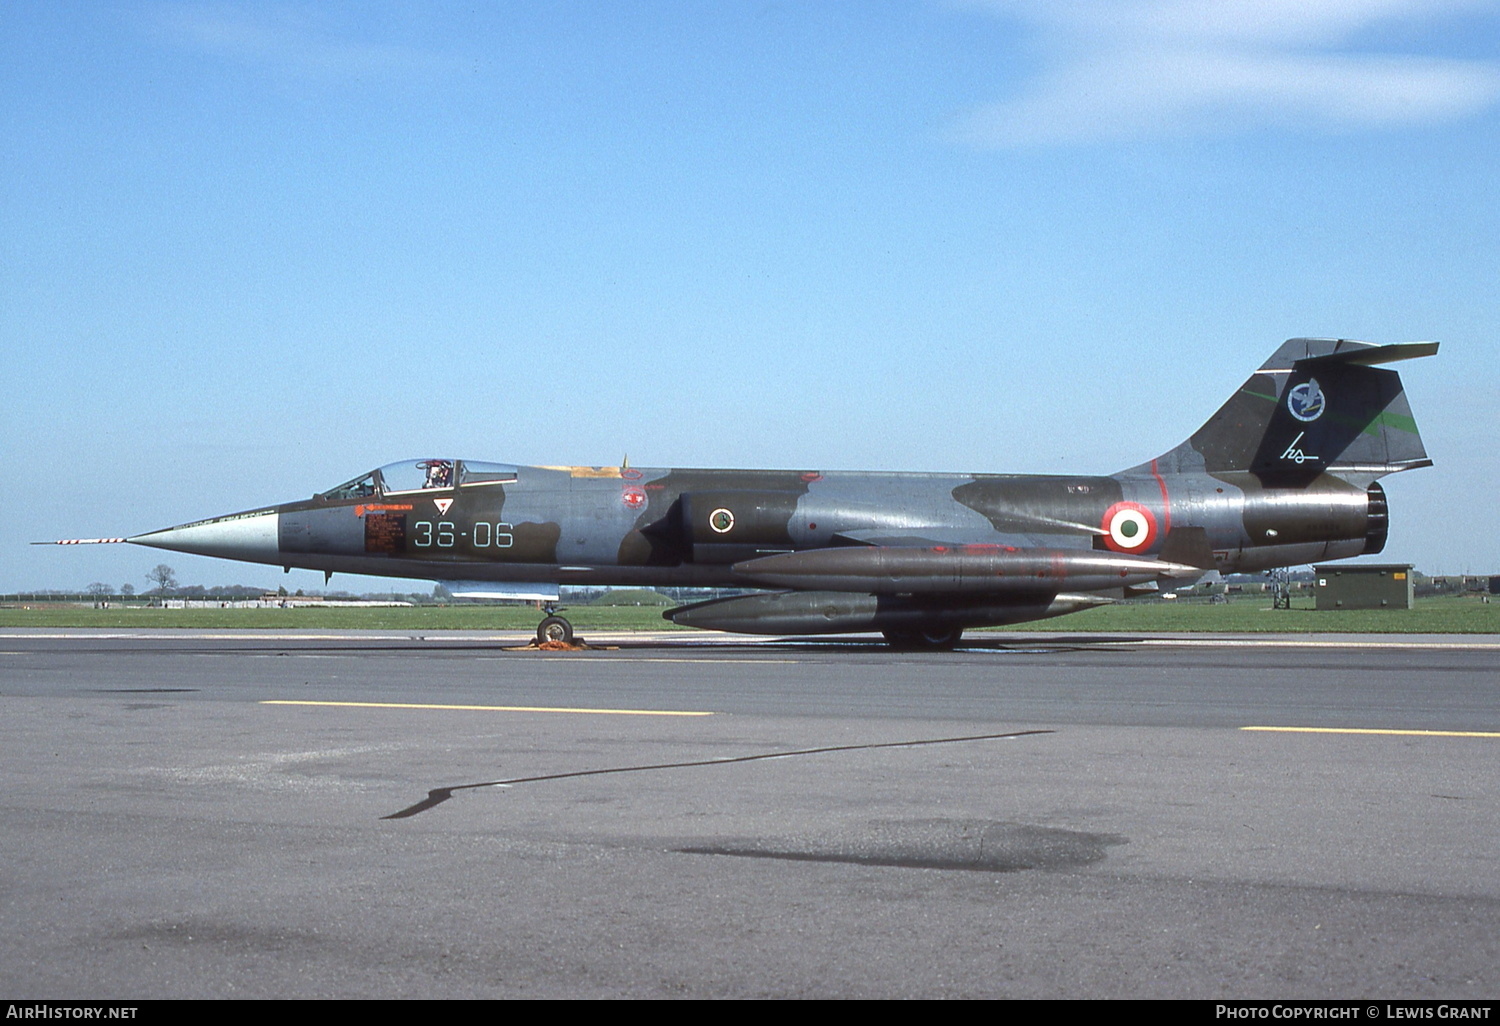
(842,612)
(995,570)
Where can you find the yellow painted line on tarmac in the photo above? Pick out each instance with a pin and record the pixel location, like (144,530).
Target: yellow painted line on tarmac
(489,708)
(1373,730)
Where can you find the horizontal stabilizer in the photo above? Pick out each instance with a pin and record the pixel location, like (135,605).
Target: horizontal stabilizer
(1373,355)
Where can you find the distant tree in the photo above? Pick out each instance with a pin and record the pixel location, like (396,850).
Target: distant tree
(127,589)
(281,591)
(163,576)
(98,588)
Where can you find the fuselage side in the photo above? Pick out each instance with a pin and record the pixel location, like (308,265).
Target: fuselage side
(688,527)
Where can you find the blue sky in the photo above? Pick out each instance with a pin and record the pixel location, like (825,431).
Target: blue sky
(248,251)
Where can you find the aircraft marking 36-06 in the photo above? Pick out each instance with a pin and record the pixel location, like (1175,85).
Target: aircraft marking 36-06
(1284,473)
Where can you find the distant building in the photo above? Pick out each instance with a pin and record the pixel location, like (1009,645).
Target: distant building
(1364,586)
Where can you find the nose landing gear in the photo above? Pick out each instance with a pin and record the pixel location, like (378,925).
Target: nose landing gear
(554,628)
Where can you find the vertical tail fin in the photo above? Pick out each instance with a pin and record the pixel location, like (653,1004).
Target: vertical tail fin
(1317,405)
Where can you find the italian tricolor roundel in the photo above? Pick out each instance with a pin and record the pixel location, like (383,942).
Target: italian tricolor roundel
(1130,527)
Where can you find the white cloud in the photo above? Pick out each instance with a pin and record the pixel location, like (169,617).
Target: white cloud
(1116,70)
(300,40)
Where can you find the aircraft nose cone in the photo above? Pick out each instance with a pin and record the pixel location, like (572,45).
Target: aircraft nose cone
(249,536)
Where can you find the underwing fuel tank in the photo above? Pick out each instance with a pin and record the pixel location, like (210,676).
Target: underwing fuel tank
(833,612)
(991,570)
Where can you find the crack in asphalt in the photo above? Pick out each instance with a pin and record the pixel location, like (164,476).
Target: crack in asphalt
(438,795)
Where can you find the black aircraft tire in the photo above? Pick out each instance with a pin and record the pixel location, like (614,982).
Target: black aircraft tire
(935,639)
(554,628)
(900,639)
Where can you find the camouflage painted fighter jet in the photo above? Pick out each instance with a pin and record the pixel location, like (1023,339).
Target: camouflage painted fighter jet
(1284,473)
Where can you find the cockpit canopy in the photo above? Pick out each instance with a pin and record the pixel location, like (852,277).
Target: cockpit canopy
(422,476)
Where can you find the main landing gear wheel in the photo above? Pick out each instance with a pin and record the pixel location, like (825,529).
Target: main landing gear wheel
(554,628)
(934,639)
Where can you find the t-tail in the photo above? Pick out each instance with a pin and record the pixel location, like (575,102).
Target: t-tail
(1292,459)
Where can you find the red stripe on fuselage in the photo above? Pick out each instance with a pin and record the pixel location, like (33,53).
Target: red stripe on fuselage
(1166,501)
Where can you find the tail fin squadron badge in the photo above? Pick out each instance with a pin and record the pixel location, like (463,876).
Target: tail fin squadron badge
(1305,401)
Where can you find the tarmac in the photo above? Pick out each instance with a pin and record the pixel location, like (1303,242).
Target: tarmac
(673,814)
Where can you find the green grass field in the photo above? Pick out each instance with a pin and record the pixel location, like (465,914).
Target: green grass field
(400,618)
(1449,615)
